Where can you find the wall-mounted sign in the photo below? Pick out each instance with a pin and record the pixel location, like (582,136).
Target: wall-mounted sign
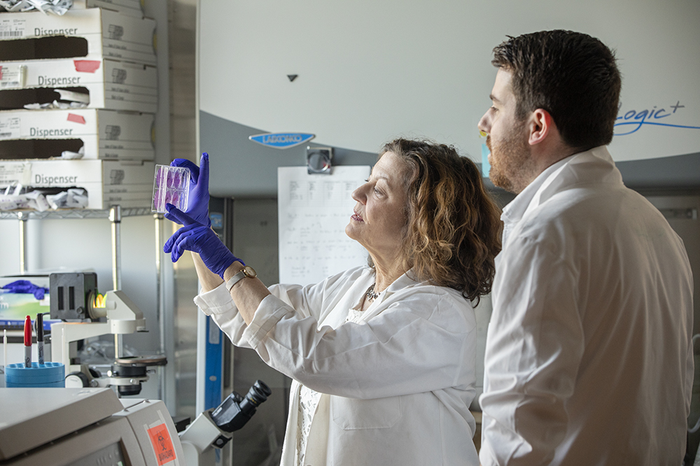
(282,140)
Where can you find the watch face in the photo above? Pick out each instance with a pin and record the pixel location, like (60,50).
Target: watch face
(249,272)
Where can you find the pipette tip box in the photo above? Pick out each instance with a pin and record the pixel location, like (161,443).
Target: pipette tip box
(49,374)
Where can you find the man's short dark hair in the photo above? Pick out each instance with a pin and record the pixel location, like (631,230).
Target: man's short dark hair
(571,75)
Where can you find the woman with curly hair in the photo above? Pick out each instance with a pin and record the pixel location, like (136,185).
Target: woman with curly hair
(382,356)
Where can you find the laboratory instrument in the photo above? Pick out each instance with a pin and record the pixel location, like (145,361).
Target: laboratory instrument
(85,314)
(214,428)
(86,426)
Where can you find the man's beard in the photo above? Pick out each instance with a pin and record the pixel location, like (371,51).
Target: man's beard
(510,161)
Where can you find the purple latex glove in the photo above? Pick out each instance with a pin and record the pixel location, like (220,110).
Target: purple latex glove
(25,286)
(198,196)
(198,238)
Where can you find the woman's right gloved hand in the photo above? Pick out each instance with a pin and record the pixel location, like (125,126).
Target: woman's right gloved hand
(198,195)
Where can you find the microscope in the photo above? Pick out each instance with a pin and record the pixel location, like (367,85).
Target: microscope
(84,313)
(212,429)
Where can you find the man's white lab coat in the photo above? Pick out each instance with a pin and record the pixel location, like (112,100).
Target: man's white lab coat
(588,358)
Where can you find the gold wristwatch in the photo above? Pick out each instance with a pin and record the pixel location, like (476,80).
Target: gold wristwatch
(247,271)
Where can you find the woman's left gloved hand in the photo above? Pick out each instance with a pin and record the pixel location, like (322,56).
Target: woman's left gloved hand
(195,237)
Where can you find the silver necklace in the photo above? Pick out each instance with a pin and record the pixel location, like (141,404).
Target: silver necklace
(371,294)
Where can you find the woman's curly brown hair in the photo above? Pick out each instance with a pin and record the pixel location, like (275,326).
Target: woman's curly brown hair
(453,230)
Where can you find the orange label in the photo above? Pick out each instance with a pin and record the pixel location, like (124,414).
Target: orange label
(162,444)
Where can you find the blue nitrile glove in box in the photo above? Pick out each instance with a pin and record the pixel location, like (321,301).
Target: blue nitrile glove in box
(195,237)
(26,287)
(198,195)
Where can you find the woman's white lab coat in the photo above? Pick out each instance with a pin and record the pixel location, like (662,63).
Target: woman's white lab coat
(396,387)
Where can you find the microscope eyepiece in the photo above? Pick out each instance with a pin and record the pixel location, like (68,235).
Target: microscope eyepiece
(258,393)
(235,410)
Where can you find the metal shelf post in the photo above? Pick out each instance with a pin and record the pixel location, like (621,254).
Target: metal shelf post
(22,242)
(115,216)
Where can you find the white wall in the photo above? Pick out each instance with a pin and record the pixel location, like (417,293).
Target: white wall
(373,70)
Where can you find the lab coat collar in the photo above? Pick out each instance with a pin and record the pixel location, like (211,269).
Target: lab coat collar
(367,278)
(513,212)
(555,177)
(400,283)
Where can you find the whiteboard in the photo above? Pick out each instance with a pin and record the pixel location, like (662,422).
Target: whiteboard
(368,71)
(313,211)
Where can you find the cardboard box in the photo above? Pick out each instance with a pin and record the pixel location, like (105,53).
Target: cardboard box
(111,84)
(99,199)
(128,184)
(95,33)
(124,7)
(103,134)
(117,177)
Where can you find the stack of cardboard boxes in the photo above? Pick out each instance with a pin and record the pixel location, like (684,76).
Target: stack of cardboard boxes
(78,94)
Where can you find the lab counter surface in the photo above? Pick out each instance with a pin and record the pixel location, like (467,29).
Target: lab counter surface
(84,426)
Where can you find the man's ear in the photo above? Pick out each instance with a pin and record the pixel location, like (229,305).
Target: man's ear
(541,126)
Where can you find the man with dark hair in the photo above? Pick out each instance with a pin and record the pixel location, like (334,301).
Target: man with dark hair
(588,355)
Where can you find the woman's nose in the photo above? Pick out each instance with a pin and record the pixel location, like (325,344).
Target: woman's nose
(359,194)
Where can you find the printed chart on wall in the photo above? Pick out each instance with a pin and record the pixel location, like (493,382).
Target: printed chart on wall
(313,212)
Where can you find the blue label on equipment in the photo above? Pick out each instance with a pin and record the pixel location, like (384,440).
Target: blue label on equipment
(282,140)
(217,220)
